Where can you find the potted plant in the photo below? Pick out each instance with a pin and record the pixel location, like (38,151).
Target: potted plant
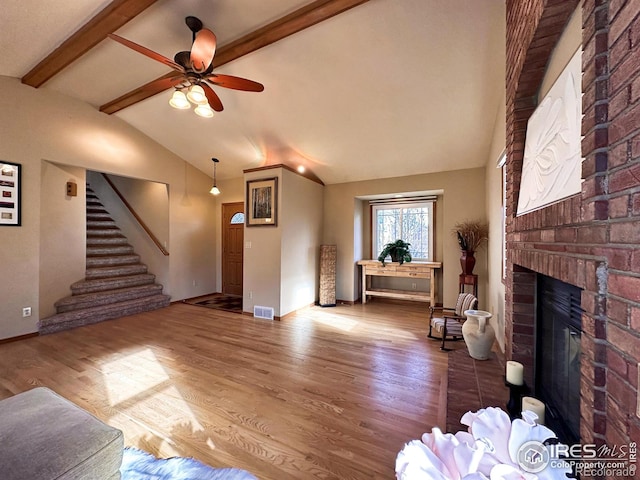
(398,250)
(471,235)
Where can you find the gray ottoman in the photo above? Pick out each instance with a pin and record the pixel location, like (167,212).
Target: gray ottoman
(45,437)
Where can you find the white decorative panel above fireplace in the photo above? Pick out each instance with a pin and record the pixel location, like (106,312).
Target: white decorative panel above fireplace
(552,164)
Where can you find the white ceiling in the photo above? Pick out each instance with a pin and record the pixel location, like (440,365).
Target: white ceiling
(388,88)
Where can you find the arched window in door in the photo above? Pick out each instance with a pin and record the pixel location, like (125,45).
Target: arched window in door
(237,218)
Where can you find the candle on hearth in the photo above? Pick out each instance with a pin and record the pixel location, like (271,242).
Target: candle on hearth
(534,405)
(515,373)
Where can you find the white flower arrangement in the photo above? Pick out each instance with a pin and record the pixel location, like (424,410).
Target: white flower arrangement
(492,448)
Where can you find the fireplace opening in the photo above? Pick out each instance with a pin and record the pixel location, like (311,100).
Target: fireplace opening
(557,372)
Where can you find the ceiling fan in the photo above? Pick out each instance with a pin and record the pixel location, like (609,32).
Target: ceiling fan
(194,72)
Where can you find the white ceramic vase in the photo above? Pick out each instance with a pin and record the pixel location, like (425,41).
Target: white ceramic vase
(478,334)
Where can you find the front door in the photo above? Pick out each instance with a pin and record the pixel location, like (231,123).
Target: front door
(232,247)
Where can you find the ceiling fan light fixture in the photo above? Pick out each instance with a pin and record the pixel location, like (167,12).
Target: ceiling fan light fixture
(196,95)
(204,111)
(179,100)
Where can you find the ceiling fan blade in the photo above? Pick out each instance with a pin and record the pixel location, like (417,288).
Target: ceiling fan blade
(237,83)
(203,50)
(167,82)
(145,51)
(212,97)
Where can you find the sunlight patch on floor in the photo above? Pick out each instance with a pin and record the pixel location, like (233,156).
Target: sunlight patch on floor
(336,321)
(131,375)
(138,383)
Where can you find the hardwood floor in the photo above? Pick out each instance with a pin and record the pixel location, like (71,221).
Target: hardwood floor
(327,393)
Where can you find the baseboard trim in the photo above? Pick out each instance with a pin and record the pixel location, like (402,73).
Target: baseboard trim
(313,304)
(279,318)
(347,302)
(19,337)
(184,300)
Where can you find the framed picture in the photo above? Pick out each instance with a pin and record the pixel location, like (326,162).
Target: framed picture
(262,202)
(10,177)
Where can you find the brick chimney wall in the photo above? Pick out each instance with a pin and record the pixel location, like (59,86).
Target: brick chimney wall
(591,239)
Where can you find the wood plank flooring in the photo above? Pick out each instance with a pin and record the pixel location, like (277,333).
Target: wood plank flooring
(327,393)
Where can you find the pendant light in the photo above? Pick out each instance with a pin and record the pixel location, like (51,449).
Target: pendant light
(214,190)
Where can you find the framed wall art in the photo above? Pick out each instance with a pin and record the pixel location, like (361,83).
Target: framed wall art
(10,194)
(262,202)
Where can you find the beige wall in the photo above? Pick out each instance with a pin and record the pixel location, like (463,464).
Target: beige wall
(496,292)
(151,202)
(57,213)
(262,261)
(301,221)
(281,266)
(406,283)
(568,44)
(38,125)
(495,299)
(462,189)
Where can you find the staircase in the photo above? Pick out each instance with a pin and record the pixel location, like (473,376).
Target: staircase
(116,284)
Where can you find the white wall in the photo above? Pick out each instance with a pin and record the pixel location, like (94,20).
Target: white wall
(38,126)
(301,239)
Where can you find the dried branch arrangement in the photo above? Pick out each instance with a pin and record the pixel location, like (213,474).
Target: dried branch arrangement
(471,234)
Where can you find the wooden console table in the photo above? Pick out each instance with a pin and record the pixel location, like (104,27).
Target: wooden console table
(374,268)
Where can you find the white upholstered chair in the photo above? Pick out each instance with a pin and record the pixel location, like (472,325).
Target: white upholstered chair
(448,324)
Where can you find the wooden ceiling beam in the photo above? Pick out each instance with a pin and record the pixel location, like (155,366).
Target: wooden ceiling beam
(110,19)
(303,18)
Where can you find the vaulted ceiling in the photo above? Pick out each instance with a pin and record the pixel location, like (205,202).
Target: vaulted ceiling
(384,88)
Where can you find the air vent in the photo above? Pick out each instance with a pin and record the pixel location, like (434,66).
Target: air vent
(263,312)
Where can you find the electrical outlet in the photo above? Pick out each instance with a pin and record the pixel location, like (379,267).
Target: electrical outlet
(26,312)
(194,283)
(413,285)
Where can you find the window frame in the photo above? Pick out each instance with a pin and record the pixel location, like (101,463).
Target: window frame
(502,166)
(428,204)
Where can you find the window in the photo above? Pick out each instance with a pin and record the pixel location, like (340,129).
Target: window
(237,218)
(411,222)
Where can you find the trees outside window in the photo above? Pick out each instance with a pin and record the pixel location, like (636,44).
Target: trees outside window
(411,222)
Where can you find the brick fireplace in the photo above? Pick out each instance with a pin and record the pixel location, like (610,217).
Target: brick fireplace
(589,240)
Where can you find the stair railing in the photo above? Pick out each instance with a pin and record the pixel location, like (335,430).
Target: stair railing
(144,226)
